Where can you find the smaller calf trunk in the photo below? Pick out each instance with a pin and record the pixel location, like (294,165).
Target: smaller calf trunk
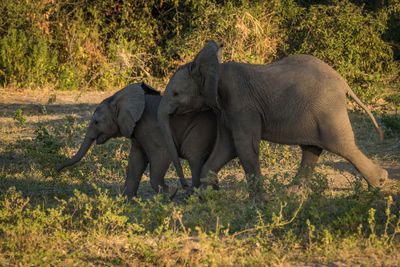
(86,144)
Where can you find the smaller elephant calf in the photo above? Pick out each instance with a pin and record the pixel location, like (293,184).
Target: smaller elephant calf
(132,113)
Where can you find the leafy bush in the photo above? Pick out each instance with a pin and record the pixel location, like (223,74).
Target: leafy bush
(27,55)
(104,44)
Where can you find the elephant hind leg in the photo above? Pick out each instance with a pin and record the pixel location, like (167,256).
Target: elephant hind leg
(310,156)
(373,174)
(337,136)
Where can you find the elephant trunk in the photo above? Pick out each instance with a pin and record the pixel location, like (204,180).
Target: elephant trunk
(163,117)
(86,144)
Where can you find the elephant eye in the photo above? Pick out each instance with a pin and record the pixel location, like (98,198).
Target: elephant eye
(175,94)
(95,122)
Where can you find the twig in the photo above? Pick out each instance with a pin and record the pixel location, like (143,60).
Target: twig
(147,75)
(129,77)
(271,225)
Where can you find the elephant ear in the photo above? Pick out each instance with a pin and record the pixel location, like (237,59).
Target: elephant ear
(220,51)
(148,90)
(128,106)
(205,69)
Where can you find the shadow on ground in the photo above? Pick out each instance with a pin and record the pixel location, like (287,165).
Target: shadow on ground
(394,171)
(46,191)
(53,109)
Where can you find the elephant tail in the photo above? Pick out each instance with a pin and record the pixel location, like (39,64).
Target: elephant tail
(361,104)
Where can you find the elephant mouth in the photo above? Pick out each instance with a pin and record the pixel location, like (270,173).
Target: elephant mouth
(101,139)
(182,111)
(194,108)
(197,105)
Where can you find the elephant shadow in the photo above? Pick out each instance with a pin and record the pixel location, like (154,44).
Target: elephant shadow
(340,166)
(52,114)
(44,192)
(32,109)
(393,171)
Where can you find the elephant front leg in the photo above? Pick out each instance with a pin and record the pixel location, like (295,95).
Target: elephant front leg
(246,132)
(158,167)
(195,167)
(136,165)
(222,153)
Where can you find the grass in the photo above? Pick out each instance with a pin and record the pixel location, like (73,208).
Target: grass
(78,216)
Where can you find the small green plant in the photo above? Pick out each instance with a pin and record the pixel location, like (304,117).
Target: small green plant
(19,117)
(310,234)
(41,133)
(372,223)
(318,184)
(52,99)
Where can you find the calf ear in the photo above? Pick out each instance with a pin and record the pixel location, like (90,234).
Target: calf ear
(206,67)
(220,51)
(128,105)
(149,90)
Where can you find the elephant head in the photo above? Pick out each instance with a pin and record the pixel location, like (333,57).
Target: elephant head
(193,87)
(114,117)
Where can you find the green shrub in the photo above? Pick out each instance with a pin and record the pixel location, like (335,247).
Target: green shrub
(27,54)
(107,43)
(26,60)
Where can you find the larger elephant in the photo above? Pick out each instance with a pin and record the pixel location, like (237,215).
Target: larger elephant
(132,113)
(298,100)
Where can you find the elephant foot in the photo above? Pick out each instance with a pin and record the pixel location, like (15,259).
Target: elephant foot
(189,191)
(297,189)
(203,186)
(214,185)
(261,197)
(172,192)
(379,180)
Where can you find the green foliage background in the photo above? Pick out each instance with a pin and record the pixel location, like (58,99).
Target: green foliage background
(101,44)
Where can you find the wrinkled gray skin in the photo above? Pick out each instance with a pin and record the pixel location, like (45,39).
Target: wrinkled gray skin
(298,100)
(132,113)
